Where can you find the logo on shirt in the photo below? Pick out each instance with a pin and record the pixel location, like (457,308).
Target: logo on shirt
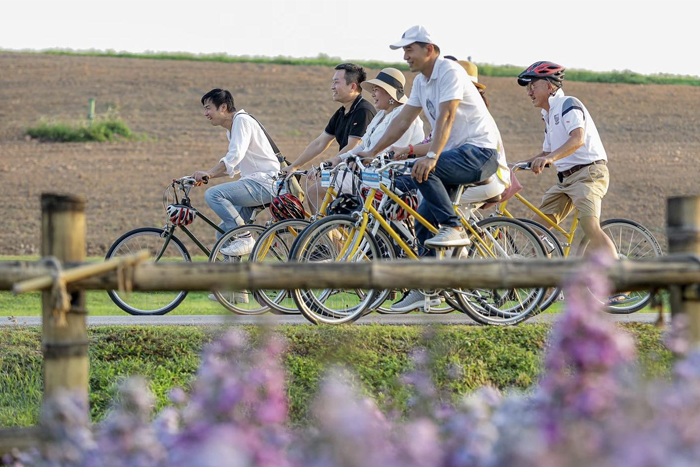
(431,108)
(556,119)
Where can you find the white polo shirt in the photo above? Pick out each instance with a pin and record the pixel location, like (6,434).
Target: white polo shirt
(566,113)
(249,151)
(377,127)
(473,123)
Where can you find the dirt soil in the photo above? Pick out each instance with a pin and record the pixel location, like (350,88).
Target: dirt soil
(651,134)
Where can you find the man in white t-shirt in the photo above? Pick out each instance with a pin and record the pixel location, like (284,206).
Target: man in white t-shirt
(573,146)
(465,137)
(250,154)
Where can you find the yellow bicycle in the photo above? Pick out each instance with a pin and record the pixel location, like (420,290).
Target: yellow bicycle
(367,234)
(631,239)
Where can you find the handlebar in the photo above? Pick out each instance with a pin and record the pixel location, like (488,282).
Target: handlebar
(521,166)
(189,181)
(524,166)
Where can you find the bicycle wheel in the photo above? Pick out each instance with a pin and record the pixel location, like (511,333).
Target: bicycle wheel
(553,249)
(162,248)
(500,238)
(239,301)
(632,241)
(274,246)
(334,238)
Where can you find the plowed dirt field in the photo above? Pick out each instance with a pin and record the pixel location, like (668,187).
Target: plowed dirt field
(651,134)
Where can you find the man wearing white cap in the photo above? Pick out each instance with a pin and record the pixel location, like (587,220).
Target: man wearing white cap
(465,136)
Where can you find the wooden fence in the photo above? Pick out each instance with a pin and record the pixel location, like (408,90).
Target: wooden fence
(64,329)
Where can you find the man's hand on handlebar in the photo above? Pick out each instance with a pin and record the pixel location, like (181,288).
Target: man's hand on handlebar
(400,153)
(538,164)
(201,177)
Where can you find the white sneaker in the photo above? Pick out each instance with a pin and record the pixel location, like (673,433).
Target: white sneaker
(414,300)
(241,297)
(238,297)
(448,237)
(240,247)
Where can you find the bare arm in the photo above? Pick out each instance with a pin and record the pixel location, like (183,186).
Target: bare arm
(443,125)
(352,143)
(316,147)
(441,133)
(574,142)
(219,170)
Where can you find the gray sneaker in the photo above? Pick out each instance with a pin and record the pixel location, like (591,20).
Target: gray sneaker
(414,300)
(448,237)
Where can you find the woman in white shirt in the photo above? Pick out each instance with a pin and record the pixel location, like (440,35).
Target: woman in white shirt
(387,90)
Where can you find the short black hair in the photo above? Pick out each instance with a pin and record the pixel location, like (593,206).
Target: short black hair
(218,97)
(425,44)
(353,73)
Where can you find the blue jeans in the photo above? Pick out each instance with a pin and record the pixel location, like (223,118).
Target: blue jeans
(234,202)
(459,166)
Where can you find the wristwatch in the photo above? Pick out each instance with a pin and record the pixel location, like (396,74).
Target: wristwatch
(431,155)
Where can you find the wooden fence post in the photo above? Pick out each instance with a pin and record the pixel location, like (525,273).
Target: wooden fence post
(683,229)
(64,345)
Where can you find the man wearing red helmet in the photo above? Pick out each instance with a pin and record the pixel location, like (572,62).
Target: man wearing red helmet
(573,146)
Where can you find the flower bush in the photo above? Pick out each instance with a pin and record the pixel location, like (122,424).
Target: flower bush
(589,408)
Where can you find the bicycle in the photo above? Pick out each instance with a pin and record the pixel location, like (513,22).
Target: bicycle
(353,237)
(165,246)
(631,239)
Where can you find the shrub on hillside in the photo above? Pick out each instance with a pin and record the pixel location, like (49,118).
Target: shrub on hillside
(100,131)
(590,408)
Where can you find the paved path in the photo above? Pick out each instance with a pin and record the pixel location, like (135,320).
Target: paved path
(227,320)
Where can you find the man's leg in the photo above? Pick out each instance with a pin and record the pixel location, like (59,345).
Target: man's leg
(235,202)
(225,201)
(463,165)
(599,242)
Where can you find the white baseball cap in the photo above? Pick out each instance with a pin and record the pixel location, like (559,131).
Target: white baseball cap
(415,33)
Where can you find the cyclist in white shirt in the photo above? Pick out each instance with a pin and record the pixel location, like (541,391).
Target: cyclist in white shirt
(573,146)
(464,147)
(250,155)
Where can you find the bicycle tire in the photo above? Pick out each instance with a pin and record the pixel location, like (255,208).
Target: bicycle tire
(501,306)
(241,302)
(151,239)
(323,241)
(275,245)
(557,251)
(632,241)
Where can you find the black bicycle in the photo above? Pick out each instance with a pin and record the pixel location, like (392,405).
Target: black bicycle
(164,246)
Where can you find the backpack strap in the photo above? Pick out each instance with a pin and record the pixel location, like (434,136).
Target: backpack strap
(280,157)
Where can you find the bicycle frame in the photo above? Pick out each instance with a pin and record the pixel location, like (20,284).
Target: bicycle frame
(368,208)
(568,234)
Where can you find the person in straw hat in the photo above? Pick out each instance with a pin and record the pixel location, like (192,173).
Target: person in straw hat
(388,93)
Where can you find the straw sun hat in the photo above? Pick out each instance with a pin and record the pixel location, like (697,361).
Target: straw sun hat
(473,72)
(392,81)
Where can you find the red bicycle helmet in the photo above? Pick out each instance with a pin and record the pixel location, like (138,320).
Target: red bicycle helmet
(397,213)
(286,206)
(378,195)
(181,214)
(542,70)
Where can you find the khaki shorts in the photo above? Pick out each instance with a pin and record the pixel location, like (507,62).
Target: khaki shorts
(583,190)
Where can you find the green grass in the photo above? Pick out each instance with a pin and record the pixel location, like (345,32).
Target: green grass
(625,76)
(76,132)
(465,357)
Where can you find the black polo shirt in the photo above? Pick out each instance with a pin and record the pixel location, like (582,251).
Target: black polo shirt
(354,123)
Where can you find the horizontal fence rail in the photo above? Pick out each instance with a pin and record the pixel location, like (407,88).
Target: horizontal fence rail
(624,275)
